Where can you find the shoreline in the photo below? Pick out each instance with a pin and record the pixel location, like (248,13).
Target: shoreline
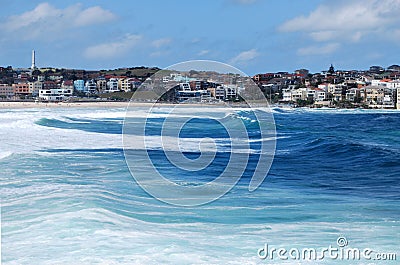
(28,105)
(125,104)
(103,104)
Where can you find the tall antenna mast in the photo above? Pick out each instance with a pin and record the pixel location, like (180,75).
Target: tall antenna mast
(33,67)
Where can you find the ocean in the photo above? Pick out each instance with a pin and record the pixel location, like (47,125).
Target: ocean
(68,196)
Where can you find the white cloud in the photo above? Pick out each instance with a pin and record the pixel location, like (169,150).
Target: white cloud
(161,42)
(350,19)
(203,52)
(244,57)
(323,35)
(318,50)
(112,49)
(159,53)
(93,15)
(47,21)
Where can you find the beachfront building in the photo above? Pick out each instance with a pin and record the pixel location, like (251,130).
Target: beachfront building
(184,93)
(286,95)
(319,94)
(316,94)
(398,98)
(34,88)
(101,85)
(55,94)
(124,84)
(112,85)
(353,95)
(230,92)
(193,96)
(91,87)
(299,94)
(373,95)
(6,91)
(129,84)
(79,85)
(220,93)
(21,90)
(337,91)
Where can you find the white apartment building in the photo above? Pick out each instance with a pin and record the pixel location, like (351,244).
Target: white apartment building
(391,84)
(317,94)
(230,92)
(299,94)
(398,98)
(56,94)
(91,87)
(112,85)
(34,87)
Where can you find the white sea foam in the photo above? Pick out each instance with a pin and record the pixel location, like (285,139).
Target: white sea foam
(17,124)
(20,134)
(5,154)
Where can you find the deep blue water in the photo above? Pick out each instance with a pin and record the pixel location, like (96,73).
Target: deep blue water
(68,196)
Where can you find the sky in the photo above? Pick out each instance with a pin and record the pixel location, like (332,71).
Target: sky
(256,36)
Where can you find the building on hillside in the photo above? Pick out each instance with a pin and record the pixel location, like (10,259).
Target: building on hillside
(373,95)
(67,84)
(91,87)
(136,83)
(34,88)
(79,85)
(353,95)
(112,85)
(21,89)
(302,72)
(125,84)
(50,85)
(102,85)
(299,94)
(6,91)
(286,95)
(316,94)
(193,95)
(184,92)
(231,92)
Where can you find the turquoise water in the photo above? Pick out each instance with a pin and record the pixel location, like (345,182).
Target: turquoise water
(67,196)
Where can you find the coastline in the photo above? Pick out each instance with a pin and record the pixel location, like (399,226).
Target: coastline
(27,105)
(101,104)
(125,104)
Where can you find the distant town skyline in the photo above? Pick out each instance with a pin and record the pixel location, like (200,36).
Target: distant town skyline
(253,35)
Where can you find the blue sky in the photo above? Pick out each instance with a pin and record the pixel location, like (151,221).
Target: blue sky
(253,35)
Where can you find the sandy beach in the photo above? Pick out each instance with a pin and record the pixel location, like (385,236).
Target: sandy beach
(21,105)
(99,104)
